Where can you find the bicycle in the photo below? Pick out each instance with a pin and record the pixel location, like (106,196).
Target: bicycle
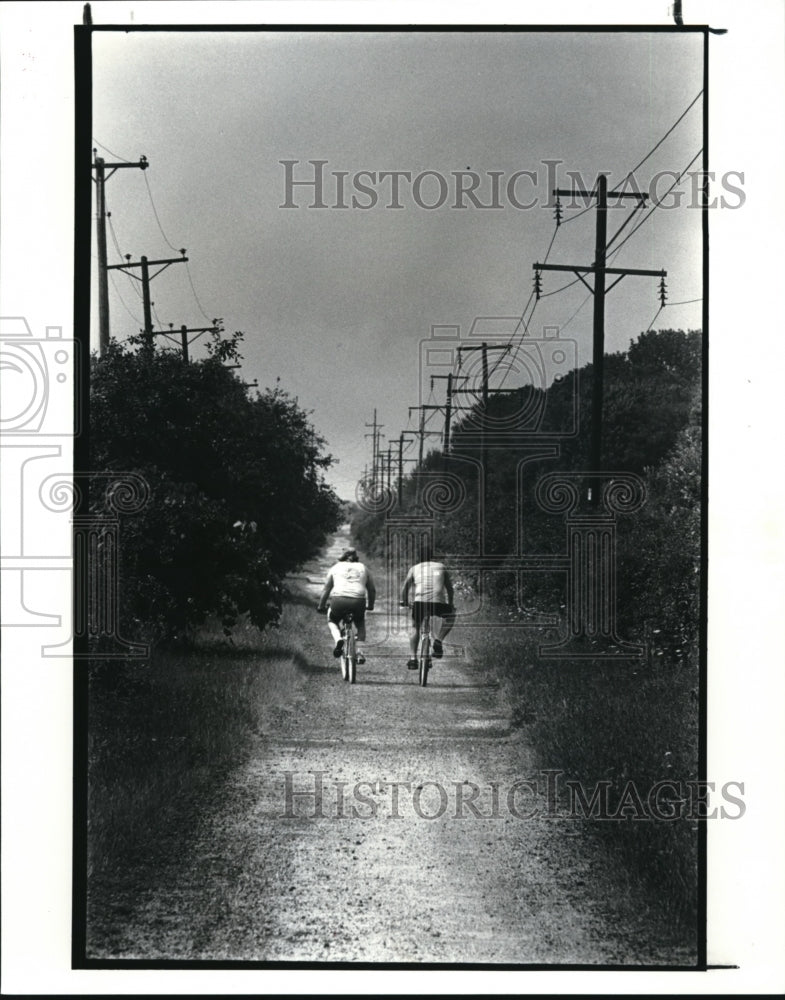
(349,649)
(424,649)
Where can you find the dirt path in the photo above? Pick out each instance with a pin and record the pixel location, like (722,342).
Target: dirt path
(395,861)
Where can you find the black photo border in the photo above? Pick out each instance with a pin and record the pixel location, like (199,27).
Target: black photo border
(82,299)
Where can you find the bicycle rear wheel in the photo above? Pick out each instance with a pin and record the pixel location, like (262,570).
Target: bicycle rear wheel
(344,654)
(351,657)
(424,660)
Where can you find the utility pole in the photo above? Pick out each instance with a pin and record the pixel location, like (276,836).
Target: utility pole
(484,348)
(198,330)
(422,431)
(389,468)
(399,441)
(375,443)
(451,388)
(100,166)
(600,271)
(184,331)
(146,278)
(465,348)
(379,467)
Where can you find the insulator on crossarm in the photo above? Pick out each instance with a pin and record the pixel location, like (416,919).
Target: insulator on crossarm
(557,212)
(663,292)
(537,285)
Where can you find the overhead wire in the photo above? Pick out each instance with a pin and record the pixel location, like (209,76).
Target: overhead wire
(131,278)
(162,231)
(627,237)
(108,150)
(155,213)
(122,301)
(686,302)
(657,145)
(657,204)
(567,322)
(196,297)
(654,318)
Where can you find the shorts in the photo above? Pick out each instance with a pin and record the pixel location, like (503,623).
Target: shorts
(340,607)
(433,608)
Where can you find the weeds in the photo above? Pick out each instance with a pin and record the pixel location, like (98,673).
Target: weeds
(164,734)
(613,722)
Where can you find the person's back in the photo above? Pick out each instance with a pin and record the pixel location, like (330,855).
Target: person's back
(431,594)
(430,583)
(349,579)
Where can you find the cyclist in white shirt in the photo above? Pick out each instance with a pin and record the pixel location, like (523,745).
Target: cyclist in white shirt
(346,586)
(433,594)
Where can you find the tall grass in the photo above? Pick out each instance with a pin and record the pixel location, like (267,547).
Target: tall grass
(163,734)
(613,722)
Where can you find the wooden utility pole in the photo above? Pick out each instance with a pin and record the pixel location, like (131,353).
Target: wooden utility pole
(146,278)
(100,166)
(467,348)
(451,388)
(389,468)
(399,441)
(600,270)
(184,331)
(421,433)
(484,348)
(374,435)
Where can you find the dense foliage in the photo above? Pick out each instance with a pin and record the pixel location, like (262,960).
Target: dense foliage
(237,494)
(651,427)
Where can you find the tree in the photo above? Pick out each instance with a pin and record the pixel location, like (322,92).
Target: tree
(237,490)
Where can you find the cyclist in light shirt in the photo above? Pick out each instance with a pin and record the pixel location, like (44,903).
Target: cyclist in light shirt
(346,586)
(432,593)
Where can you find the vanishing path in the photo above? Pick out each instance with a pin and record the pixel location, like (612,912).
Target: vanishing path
(433,877)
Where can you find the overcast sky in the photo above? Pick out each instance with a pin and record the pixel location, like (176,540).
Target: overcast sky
(336,301)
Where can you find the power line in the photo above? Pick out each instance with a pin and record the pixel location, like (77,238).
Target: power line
(120,254)
(114,237)
(566,324)
(187,268)
(662,140)
(572,218)
(638,207)
(686,302)
(108,150)
(122,301)
(654,318)
(657,204)
(172,247)
(545,295)
(155,313)
(196,297)
(523,320)
(155,213)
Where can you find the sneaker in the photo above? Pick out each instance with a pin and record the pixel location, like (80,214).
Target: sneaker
(360,658)
(437,649)
(412,664)
(338,649)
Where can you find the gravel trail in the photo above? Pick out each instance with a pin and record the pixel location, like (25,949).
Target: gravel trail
(371,823)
